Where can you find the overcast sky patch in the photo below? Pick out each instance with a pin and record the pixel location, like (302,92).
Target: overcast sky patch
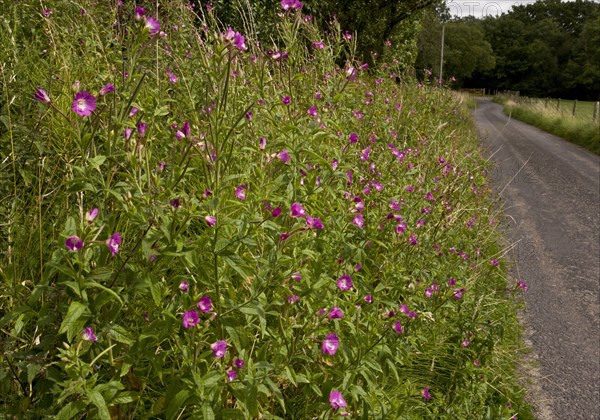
(482,8)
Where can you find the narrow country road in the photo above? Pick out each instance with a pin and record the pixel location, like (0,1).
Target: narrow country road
(550,191)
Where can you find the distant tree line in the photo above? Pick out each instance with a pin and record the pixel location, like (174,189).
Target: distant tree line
(547,49)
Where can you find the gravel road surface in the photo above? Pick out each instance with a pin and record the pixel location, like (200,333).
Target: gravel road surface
(550,191)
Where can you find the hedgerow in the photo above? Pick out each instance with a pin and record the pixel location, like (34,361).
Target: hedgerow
(198,226)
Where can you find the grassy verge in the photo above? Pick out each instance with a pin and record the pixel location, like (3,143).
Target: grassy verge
(579,129)
(198,227)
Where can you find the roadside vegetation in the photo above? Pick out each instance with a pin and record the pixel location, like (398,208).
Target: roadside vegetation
(197,226)
(557,118)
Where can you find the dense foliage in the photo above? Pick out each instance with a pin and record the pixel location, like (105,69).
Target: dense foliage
(386,29)
(550,48)
(198,226)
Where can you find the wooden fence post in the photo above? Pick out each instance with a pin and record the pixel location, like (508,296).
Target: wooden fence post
(574,106)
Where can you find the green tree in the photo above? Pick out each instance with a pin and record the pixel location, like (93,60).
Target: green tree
(465,48)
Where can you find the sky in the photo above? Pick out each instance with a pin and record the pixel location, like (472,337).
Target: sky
(482,8)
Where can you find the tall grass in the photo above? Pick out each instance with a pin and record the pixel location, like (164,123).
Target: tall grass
(579,129)
(239,231)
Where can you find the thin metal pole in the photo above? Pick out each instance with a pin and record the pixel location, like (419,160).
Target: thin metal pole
(442,53)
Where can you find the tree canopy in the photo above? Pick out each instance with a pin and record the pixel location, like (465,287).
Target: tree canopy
(549,48)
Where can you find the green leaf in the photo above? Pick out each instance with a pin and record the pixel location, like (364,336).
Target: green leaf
(97,161)
(277,392)
(252,401)
(125,397)
(71,410)
(100,273)
(207,412)
(32,371)
(98,400)
(175,402)
(74,320)
(232,413)
(111,292)
(120,334)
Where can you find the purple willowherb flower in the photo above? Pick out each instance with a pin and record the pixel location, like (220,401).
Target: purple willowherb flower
(41,96)
(314,223)
(190,319)
(185,129)
(293,299)
(296,276)
(466,343)
(291,5)
(73,243)
(345,282)
(219,348)
(262,143)
(426,393)
(369,298)
(139,13)
(330,344)
(127,133)
(84,103)
(335,313)
(413,239)
(297,210)
(284,156)
(495,262)
(240,192)
(364,156)
(334,164)
(184,286)
(141,128)
(205,304)
(522,285)
(113,243)
(286,100)
(175,203)
(239,41)
(153,26)
(312,111)
(91,215)
(319,45)
(173,78)
(359,220)
(88,334)
(210,220)
(238,363)
(276,212)
(336,399)
(458,293)
(397,327)
(353,138)
(231,375)
(106,89)
(134,110)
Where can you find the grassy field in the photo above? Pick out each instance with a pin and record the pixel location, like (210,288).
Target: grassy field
(557,118)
